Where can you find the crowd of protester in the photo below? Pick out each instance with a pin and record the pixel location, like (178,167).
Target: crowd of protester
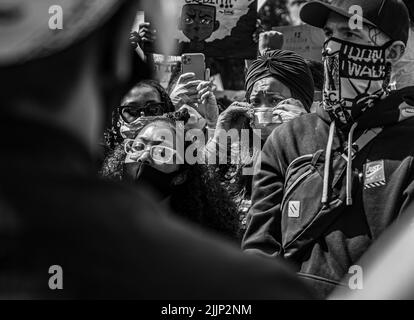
(318,181)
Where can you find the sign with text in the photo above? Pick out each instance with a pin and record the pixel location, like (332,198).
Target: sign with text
(164,67)
(304,40)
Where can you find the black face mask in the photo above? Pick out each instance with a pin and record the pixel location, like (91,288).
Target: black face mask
(145,174)
(356,76)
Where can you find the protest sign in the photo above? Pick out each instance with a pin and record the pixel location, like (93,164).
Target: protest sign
(304,40)
(164,67)
(217,28)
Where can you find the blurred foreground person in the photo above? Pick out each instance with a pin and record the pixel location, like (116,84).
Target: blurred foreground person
(156,159)
(330,183)
(111,241)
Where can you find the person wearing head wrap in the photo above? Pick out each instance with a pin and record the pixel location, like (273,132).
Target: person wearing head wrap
(280,88)
(326,180)
(288,69)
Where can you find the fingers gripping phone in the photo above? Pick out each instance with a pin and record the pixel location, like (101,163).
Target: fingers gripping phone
(195,63)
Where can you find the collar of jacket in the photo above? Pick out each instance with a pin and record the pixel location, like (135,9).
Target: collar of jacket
(386,112)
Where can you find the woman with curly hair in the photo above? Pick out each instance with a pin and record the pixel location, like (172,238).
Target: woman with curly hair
(193,192)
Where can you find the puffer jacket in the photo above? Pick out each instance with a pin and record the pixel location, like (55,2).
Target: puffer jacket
(321,211)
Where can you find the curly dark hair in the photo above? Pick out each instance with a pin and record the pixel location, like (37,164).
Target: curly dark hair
(200,199)
(112,166)
(203,200)
(112,136)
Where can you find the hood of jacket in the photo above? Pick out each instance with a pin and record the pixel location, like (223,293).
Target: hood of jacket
(394,108)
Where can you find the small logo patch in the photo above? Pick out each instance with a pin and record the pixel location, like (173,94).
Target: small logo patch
(374,175)
(294,209)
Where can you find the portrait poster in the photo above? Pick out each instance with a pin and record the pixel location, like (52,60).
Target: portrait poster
(217,28)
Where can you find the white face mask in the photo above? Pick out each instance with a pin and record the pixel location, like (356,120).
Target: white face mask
(404,68)
(130,130)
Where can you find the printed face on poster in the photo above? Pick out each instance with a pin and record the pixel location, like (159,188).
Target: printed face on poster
(217,28)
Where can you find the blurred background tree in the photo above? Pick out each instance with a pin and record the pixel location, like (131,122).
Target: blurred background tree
(274,13)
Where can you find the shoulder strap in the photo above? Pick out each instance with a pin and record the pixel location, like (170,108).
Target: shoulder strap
(363,141)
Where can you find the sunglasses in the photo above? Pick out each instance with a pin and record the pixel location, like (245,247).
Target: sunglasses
(131,113)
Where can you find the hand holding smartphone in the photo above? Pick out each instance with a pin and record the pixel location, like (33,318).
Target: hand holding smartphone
(195,63)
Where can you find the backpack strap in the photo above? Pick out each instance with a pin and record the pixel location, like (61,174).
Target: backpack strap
(363,141)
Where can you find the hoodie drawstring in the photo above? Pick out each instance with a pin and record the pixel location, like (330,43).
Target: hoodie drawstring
(327,164)
(349,166)
(327,170)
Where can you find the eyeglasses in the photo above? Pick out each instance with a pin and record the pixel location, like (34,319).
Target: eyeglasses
(131,113)
(159,153)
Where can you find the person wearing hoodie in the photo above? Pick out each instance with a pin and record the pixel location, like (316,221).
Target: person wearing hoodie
(330,183)
(279,87)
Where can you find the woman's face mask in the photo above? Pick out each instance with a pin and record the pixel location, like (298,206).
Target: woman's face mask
(130,130)
(355,77)
(142,173)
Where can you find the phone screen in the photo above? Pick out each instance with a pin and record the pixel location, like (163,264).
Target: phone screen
(195,63)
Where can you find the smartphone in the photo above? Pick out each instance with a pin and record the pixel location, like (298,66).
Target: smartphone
(195,63)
